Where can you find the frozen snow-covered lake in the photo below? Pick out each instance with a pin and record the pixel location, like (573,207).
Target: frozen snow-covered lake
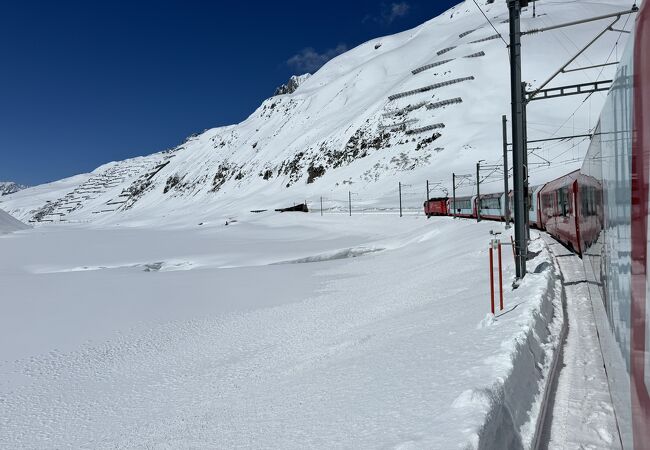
(276,331)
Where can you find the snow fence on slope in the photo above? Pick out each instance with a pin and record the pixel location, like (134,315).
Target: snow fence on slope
(517,403)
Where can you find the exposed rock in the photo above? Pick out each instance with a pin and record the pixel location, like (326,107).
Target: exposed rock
(290,86)
(9,187)
(172,182)
(314,172)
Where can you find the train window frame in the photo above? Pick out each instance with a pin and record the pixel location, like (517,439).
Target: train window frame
(563,201)
(462,204)
(491,203)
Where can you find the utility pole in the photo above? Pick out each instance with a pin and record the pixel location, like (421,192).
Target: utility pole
(400,198)
(478,191)
(518,135)
(427,190)
(506,208)
(350,202)
(453,190)
(526,197)
(321,205)
(520,97)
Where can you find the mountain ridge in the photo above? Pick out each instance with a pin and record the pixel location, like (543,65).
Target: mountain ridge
(10,187)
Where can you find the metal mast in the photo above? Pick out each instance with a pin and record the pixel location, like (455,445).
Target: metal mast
(518,136)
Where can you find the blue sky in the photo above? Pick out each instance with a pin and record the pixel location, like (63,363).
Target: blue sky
(87,82)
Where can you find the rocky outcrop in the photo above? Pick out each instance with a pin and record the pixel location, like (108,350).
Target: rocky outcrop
(9,187)
(290,86)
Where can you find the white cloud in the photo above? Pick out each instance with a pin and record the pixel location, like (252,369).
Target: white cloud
(389,13)
(309,60)
(395,11)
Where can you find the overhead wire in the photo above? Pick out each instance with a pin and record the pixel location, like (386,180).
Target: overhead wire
(491,24)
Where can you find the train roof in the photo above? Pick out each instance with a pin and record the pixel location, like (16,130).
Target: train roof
(562,181)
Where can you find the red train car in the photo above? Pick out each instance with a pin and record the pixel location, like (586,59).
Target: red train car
(438,206)
(590,209)
(558,211)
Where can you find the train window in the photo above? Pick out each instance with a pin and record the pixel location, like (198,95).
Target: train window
(563,201)
(491,203)
(462,204)
(546,203)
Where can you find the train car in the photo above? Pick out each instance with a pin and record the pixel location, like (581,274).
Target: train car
(437,206)
(464,206)
(612,199)
(590,209)
(491,206)
(558,212)
(534,217)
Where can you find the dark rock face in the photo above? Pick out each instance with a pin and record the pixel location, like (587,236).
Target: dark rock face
(172,182)
(314,172)
(290,86)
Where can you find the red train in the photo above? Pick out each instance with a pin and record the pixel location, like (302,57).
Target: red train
(601,212)
(437,206)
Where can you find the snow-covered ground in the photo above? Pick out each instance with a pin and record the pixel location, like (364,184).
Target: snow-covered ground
(275,331)
(581,413)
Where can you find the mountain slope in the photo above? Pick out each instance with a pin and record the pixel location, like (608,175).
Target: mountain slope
(366,120)
(8,224)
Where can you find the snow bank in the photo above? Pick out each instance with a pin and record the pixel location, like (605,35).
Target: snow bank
(516,401)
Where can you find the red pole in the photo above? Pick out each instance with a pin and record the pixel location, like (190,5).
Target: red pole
(500,278)
(491,279)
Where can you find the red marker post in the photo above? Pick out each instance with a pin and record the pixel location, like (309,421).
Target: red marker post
(496,243)
(500,277)
(491,277)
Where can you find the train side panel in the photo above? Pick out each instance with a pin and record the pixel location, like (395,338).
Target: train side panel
(464,207)
(533,212)
(559,199)
(613,201)
(491,206)
(640,306)
(436,207)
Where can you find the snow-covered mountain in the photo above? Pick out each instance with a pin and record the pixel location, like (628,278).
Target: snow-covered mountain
(9,187)
(413,106)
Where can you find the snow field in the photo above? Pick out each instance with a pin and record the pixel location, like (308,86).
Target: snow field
(377,335)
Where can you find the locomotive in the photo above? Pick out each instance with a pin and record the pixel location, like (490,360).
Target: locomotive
(601,212)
